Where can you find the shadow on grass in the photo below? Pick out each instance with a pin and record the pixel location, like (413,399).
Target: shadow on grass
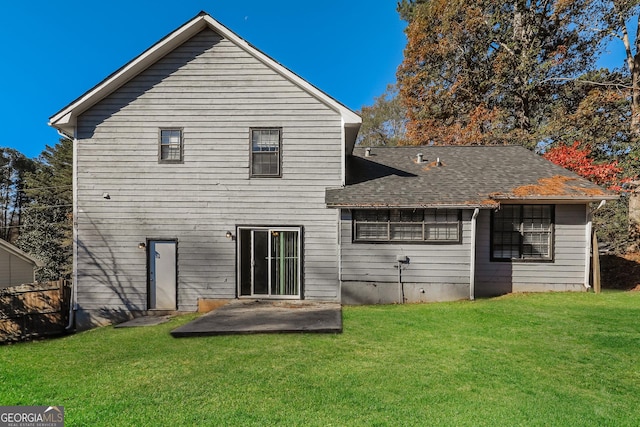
(621,273)
(33,311)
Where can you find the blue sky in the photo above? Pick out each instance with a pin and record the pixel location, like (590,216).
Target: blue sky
(54,51)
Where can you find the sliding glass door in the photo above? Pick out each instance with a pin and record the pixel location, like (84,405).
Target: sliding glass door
(269,262)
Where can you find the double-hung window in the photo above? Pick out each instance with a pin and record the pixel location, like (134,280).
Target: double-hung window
(522,232)
(170,150)
(406,225)
(265,152)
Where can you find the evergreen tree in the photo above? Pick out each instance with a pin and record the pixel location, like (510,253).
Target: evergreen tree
(47,219)
(14,166)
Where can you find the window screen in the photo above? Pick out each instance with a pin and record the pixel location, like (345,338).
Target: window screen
(265,152)
(523,232)
(170,145)
(411,225)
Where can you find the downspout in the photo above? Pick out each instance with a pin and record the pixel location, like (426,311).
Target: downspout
(588,240)
(74,275)
(343,182)
(472,257)
(339,232)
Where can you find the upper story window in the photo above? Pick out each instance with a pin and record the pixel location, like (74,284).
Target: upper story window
(266,146)
(407,225)
(522,232)
(170,146)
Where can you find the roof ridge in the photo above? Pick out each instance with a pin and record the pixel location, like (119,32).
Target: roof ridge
(64,119)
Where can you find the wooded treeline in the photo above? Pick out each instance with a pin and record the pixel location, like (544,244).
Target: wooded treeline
(37,199)
(521,72)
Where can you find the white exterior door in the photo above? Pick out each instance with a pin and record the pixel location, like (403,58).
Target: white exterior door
(162,275)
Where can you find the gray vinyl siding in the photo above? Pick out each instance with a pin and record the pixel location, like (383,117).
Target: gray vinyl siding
(565,273)
(215,92)
(14,270)
(446,265)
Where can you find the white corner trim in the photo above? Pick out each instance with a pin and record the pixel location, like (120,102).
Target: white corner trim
(472,256)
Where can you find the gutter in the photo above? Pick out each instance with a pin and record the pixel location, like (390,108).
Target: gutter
(338,205)
(62,134)
(588,242)
(74,277)
(472,256)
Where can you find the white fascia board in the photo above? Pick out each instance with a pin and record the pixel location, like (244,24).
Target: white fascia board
(555,199)
(64,124)
(66,118)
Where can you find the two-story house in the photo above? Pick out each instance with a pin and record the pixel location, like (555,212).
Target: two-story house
(203,169)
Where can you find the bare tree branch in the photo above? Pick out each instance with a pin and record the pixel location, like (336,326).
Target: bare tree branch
(625,40)
(617,85)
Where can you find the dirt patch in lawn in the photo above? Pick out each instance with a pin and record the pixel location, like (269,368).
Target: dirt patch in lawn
(620,271)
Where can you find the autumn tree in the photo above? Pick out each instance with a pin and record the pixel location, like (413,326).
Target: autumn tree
(578,160)
(384,123)
(598,115)
(484,72)
(620,20)
(610,221)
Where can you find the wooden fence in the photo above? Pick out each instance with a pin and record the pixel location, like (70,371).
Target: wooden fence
(34,310)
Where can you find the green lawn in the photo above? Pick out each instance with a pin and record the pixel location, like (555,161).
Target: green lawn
(538,359)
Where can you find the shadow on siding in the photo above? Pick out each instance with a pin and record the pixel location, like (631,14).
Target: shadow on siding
(147,80)
(106,274)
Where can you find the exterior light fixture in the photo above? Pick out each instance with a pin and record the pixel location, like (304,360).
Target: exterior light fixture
(229,235)
(106,196)
(142,245)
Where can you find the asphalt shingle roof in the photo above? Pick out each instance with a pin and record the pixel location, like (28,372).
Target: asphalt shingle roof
(473,176)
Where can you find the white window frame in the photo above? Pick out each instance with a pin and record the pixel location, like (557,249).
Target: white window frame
(524,227)
(423,221)
(269,258)
(253,153)
(168,143)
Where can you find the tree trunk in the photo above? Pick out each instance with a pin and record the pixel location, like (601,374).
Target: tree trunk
(522,44)
(635,84)
(633,63)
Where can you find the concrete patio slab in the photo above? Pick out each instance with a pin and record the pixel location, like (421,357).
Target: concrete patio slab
(258,317)
(143,321)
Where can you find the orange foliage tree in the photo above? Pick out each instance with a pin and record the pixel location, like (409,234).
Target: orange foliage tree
(579,161)
(485,72)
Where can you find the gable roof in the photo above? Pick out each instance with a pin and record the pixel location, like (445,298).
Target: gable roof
(65,119)
(469,176)
(14,250)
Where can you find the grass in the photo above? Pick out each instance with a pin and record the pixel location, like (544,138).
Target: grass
(537,359)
